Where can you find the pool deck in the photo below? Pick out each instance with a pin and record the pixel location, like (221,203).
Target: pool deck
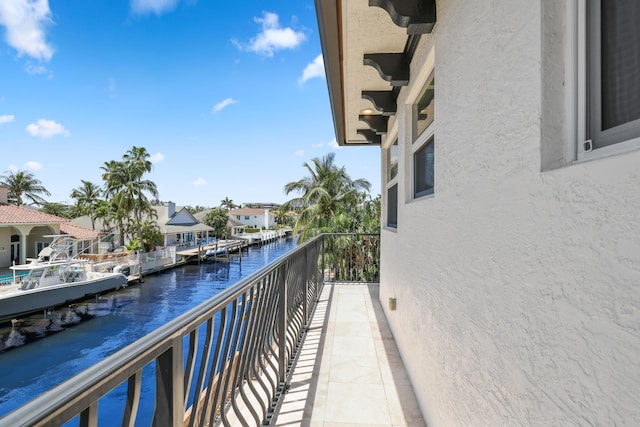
(349,372)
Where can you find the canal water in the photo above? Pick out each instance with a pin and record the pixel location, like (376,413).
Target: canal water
(122,317)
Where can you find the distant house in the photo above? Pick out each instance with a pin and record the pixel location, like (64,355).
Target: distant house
(177,226)
(24,231)
(234,227)
(253,217)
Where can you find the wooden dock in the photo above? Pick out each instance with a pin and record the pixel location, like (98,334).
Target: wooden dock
(223,251)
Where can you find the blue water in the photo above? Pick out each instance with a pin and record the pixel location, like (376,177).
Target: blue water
(127,315)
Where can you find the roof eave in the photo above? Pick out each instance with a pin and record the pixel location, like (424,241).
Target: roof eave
(328,14)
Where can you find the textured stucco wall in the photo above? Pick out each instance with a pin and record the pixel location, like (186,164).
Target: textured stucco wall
(518,291)
(5,242)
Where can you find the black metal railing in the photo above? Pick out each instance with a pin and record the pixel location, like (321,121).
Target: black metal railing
(227,361)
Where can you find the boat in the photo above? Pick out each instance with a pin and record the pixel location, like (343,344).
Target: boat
(52,280)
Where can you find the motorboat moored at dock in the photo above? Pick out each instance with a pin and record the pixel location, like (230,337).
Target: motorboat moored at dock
(52,280)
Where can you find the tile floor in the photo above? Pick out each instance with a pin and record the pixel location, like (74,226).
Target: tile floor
(349,372)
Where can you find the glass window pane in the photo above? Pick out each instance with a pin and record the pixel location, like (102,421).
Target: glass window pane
(423,110)
(620,59)
(392,161)
(423,169)
(392,206)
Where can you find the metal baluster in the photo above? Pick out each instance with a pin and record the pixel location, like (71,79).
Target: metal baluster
(133,399)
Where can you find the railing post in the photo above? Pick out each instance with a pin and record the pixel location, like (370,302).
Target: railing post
(89,417)
(324,237)
(305,298)
(169,407)
(282,325)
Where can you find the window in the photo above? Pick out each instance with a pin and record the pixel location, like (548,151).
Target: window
(391,163)
(392,206)
(423,141)
(423,170)
(423,109)
(610,74)
(40,246)
(247,217)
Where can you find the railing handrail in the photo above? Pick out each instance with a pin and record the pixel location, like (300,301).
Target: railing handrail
(70,397)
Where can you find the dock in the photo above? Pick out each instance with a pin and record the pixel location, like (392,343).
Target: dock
(222,250)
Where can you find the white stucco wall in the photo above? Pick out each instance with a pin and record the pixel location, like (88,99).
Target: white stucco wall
(5,247)
(518,291)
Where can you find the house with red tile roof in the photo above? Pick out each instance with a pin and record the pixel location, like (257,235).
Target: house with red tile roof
(24,231)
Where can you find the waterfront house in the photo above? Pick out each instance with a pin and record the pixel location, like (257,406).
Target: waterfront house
(510,247)
(24,232)
(254,217)
(234,227)
(177,225)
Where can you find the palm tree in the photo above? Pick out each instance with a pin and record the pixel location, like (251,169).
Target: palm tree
(57,209)
(113,174)
(24,185)
(326,192)
(86,197)
(106,212)
(125,185)
(227,203)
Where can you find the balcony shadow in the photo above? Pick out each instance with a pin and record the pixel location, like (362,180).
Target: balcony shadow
(301,399)
(317,391)
(400,393)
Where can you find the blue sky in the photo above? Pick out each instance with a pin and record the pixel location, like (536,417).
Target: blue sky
(229,97)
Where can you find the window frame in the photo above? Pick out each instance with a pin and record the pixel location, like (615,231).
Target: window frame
(388,182)
(580,61)
(429,139)
(422,140)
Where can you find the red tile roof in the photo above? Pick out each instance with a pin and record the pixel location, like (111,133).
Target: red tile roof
(77,232)
(11,214)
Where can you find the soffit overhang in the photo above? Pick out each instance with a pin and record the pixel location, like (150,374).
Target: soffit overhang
(367,47)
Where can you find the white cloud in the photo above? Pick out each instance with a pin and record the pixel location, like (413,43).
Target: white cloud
(222,104)
(32,166)
(272,37)
(46,129)
(155,158)
(158,7)
(13,168)
(331,144)
(37,69)
(25,22)
(199,182)
(312,70)
(7,118)
(300,153)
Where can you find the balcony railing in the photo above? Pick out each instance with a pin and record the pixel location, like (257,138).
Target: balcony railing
(229,358)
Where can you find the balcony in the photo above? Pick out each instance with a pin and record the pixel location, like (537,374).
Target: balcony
(303,341)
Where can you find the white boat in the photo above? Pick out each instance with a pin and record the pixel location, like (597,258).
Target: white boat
(52,280)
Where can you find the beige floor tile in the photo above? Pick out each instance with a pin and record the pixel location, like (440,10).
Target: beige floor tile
(353,329)
(353,345)
(355,369)
(357,403)
(349,372)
